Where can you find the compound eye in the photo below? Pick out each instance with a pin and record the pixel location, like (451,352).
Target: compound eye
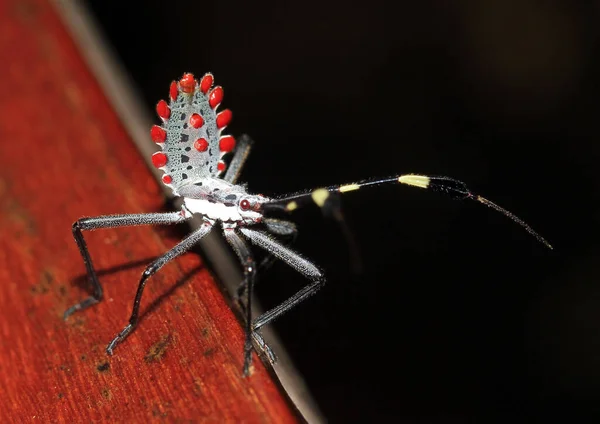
(245,205)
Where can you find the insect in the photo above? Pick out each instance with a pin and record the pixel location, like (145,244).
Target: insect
(192,157)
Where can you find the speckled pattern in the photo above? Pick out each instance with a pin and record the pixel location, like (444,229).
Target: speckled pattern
(185,163)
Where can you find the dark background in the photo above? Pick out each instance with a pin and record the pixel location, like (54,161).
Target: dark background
(459,314)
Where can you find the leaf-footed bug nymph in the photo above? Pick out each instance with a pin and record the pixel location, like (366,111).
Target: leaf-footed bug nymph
(192,155)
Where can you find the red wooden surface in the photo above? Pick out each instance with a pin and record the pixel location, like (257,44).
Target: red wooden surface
(65,155)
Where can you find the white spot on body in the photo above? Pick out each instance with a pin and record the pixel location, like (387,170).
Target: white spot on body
(213,210)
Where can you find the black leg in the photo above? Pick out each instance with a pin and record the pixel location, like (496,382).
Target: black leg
(179,249)
(275,226)
(294,260)
(282,228)
(264,347)
(243,253)
(110,221)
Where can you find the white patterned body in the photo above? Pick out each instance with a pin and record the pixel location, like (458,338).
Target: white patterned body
(219,200)
(213,210)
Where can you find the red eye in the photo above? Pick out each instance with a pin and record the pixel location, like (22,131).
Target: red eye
(245,205)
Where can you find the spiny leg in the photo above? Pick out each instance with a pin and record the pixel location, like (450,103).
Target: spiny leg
(243,253)
(244,145)
(451,186)
(280,228)
(331,207)
(179,249)
(294,260)
(264,347)
(110,221)
(284,229)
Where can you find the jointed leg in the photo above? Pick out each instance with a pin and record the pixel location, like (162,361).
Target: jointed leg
(284,229)
(280,228)
(294,260)
(331,207)
(243,253)
(110,221)
(179,249)
(244,144)
(264,347)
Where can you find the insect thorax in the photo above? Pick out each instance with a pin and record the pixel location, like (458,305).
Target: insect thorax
(217,199)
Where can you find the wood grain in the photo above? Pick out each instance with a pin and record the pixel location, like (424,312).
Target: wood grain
(66,155)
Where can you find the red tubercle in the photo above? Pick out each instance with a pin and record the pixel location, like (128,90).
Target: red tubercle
(163,110)
(196,120)
(206,83)
(227,143)
(201,145)
(221,166)
(224,118)
(187,83)
(215,97)
(173,91)
(157,134)
(244,205)
(159,159)
(167,179)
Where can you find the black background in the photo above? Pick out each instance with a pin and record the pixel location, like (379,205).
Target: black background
(459,314)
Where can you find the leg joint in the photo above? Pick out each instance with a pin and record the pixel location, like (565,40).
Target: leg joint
(76,226)
(249,266)
(83,224)
(151,269)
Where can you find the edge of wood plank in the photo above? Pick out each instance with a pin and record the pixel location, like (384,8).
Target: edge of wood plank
(112,78)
